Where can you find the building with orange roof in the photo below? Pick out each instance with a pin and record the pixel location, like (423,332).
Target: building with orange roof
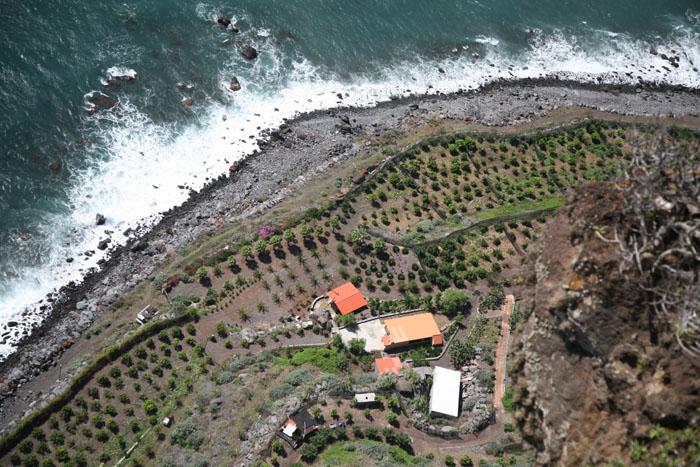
(346,298)
(409,330)
(388,365)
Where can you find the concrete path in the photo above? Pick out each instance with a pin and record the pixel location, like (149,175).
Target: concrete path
(501,353)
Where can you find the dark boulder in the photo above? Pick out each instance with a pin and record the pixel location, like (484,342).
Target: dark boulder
(249,52)
(235,85)
(138,245)
(103,244)
(102,102)
(100,219)
(223,21)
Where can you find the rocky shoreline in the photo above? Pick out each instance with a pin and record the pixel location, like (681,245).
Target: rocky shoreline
(290,157)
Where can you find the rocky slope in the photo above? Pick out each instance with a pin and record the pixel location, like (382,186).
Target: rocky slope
(597,371)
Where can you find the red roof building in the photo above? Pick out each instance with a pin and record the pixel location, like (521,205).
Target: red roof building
(388,365)
(347,298)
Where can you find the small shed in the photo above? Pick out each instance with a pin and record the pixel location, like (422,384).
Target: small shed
(300,425)
(365,399)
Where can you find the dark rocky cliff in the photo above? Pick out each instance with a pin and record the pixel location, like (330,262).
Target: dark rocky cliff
(598,373)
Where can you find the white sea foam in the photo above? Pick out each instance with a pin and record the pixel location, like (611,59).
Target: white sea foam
(120,71)
(481,39)
(144,162)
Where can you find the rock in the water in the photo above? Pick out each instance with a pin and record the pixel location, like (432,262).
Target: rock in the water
(223,21)
(249,52)
(103,244)
(233,29)
(235,85)
(100,219)
(55,166)
(69,260)
(187,101)
(102,102)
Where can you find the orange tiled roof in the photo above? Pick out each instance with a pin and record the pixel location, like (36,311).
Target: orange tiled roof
(347,298)
(437,339)
(411,328)
(388,365)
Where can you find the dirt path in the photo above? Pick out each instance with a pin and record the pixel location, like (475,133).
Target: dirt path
(501,353)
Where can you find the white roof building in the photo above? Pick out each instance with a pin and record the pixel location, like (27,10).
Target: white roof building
(445,393)
(365,398)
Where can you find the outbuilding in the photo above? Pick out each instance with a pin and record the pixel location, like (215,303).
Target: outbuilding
(445,393)
(346,299)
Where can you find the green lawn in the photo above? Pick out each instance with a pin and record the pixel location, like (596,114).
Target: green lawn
(545,204)
(327,360)
(367,452)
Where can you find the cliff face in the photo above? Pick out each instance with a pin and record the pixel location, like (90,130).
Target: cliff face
(594,366)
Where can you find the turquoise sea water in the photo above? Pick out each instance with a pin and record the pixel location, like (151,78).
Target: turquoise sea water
(128,163)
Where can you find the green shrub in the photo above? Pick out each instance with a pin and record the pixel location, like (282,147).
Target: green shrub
(186,435)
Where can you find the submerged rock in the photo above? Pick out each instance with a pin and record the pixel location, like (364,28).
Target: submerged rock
(187,101)
(249,52)
(100,219)
(223,21)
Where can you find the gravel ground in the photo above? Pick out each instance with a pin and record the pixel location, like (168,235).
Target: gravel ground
(290,158)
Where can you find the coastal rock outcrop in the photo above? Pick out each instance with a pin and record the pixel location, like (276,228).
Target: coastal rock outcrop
(99,219)
(235,85)
(249,52)
(101,102)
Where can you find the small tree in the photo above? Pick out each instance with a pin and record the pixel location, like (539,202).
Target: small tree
(403,440)
(454,301)
(202,273)
(466,461)
(338,342)
(357,346)
(449,461)
(289,236)
(278,447)
(379,245)
(348,320)
(308,452)
(243,314)
(389,434)
(261,247)
(276,242)
(334,222)
(221,329)
(247,251)
(391,418)
(307,233)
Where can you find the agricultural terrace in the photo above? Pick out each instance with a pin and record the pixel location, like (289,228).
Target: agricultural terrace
(450,213)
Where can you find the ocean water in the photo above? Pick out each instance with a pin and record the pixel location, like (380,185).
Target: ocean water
(130,162)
